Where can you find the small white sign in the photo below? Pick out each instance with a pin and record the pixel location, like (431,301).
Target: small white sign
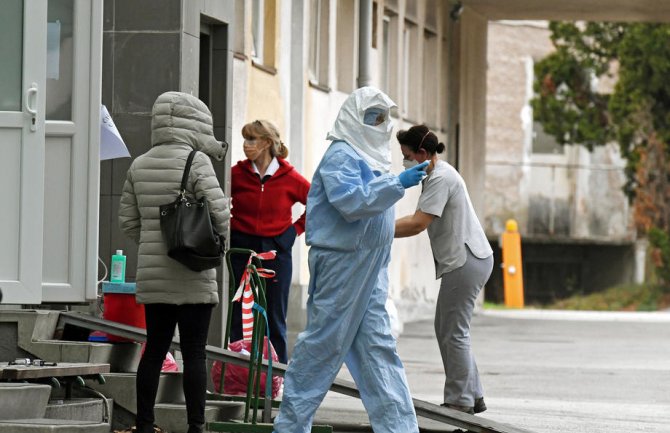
(111,143)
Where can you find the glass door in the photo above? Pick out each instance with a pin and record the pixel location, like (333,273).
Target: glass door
(22,105)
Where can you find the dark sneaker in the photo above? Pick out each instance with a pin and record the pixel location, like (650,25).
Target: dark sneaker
(464,409)
(480,406)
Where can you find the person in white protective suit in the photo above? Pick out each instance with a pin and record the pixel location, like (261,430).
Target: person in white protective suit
(350,225)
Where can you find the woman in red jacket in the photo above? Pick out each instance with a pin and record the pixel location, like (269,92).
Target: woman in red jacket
(264,189)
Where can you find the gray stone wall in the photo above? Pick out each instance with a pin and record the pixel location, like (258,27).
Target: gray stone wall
(509,47)
(141,60)
(573,217)
(568,194)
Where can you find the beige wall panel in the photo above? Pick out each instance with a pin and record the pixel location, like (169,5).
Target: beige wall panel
(473,106)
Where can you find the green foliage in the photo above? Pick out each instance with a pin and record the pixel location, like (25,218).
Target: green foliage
(574,111)
(635,112)
(660,243)
(643,297)
(567,103)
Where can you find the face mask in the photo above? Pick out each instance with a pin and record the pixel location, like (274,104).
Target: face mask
(254,148)
(409,163)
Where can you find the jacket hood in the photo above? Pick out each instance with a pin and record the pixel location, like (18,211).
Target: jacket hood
(372,143)
(178,117)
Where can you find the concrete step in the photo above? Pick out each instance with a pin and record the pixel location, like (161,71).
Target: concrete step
(47,425)
(172,417)
(121,357)
(80,409)
(121,388)
(36,333)
(23,400)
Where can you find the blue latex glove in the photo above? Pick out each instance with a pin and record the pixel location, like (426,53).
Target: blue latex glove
(412,176)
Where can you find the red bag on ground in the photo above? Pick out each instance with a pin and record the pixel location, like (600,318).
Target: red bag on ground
(237,377)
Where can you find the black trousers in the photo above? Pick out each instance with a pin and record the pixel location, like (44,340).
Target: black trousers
(276,289)
(161,319)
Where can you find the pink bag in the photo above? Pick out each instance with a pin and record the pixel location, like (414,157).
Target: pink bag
(236,377)
(169,363)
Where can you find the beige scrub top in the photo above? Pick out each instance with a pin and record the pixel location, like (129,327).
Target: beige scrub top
(455,225)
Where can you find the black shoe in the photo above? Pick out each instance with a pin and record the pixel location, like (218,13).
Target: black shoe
(196,429)
(464,409)
(480,406)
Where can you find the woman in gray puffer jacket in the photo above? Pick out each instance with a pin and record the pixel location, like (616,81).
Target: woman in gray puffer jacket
(172,293)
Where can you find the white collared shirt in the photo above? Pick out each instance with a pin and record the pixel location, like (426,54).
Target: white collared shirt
(272,168)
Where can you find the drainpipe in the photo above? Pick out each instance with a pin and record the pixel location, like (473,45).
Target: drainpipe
(364,42)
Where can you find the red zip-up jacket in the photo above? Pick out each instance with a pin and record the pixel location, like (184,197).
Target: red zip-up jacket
(264,209)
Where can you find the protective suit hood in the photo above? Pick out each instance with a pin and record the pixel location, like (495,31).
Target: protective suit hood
(371,142)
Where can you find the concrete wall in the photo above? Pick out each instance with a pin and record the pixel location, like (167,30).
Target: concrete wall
(573,217)
(151,47)
(570,194)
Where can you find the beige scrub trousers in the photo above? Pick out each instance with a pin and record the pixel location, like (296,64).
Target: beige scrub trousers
(464,260)
(455,303)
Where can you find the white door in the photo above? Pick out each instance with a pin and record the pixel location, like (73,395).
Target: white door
(22,102)
(72,128)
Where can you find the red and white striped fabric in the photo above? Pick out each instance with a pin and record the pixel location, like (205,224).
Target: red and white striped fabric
(245,295)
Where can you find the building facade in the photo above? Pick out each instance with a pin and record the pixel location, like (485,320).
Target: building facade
(574,219)
(292,63)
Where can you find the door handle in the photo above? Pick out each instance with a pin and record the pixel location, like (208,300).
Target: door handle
(31,94)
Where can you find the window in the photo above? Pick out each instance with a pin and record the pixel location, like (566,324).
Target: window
(11,45)
(346,48)
(430,78)
(238,37)
(389,55)
(444,83)
(263,18)
(318,49)
(411,10)
(431,15)
(257,29)
(540,141)
(411,71)
(60,60)
(543,142)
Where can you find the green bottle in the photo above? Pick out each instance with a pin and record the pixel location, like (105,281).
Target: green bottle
(118,272)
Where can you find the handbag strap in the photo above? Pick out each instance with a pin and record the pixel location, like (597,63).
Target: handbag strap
(187,169)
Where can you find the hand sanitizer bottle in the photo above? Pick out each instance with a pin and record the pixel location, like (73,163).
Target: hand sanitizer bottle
(118,272)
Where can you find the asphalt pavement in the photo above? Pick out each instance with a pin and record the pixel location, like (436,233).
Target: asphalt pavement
(545,371)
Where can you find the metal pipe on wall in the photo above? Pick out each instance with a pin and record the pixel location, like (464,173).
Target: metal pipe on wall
(364,42)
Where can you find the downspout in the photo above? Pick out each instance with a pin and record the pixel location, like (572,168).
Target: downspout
(364,42)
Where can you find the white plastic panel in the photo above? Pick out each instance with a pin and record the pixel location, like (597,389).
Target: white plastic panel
(10,221)
(57,210)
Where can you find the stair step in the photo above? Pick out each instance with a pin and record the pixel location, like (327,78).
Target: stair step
(47,425)
(121,388)
(122,357)
(80,409)
(23,400)
(172,417)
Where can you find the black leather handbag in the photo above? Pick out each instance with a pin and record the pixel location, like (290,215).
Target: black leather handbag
(187,229)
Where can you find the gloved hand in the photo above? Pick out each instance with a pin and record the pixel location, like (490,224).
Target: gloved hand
(412,176)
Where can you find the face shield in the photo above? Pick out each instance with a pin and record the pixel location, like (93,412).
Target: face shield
(374,116)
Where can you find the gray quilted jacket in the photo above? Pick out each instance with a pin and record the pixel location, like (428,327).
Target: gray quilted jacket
(179,123)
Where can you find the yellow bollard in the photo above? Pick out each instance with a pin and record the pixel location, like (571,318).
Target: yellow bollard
(512,265)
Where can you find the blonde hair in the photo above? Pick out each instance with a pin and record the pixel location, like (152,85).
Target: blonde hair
(265,129)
